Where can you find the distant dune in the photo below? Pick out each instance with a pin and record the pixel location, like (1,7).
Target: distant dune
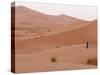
(39,24)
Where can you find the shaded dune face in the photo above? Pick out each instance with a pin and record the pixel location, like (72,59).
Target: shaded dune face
(87,33)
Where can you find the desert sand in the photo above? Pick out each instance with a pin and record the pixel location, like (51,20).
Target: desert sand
(47,42)
(68,57)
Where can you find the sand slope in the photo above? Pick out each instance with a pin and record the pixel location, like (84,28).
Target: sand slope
(38,24)
(69,57)
(78,35)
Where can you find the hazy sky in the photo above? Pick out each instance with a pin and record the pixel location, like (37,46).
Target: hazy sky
(82,12)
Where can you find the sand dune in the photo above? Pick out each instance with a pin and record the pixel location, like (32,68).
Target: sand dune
(47,42)
(69,57)
(72,54)
(30,21)
(78,35)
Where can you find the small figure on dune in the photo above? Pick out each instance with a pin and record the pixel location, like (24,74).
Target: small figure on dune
(87,44)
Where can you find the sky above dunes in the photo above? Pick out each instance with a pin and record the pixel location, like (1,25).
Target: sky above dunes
(81,12)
